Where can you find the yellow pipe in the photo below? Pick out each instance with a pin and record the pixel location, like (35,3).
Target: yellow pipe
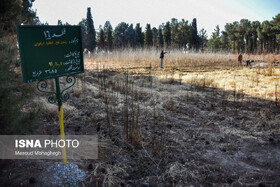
(62,133)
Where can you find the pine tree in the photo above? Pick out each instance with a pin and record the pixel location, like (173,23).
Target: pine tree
(244,33)
(108,30)
(276,29)
(91,34)
(120,35)
(110,38)
(184,33)
(225,42)
(167,34)
(130,35)
(214,42)
(101,38)
(254,27)
(139,39)
(59,22)
(148,36)
(231,29)
(175,40)
(202,39)
(155,36)
(160,37)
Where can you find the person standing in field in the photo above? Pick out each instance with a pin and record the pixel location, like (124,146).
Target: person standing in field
(161,58)
(239,59)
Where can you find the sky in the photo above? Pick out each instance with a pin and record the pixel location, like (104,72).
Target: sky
(208,13)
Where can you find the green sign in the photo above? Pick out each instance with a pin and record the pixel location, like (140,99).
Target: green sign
(49,51)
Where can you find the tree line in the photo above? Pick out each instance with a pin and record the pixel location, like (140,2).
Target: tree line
(172,34)
(247,36)
(244,36)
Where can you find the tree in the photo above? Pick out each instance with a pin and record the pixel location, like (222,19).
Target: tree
(194,36)
(214,42)
(244,34)
(15,12)
(91,34)
(148,36)
(276,29)
(225,41)
(167,34)
(120,38)
(155,36)
(231,29)
(130,35)
(13,93)
(28,16)
(263,34)
(184,33)
(139,39)
(175,38)
(254,37)
(101,38)
(59,22)
(83,25)
(108,31)
(202,39)
(160,37)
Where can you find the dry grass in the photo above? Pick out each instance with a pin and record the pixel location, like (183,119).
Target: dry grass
(50,111)
(201,70)
(150,58)
(131,58)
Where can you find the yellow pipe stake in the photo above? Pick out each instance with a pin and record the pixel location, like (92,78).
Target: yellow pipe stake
(62,133)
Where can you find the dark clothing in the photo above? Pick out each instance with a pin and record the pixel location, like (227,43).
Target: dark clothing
(161,58)
(248,62)
(162,54)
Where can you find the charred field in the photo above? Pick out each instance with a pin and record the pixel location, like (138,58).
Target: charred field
(202,124)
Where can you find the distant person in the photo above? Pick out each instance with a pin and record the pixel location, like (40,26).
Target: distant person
(248,62)
(161,58)
(240,59)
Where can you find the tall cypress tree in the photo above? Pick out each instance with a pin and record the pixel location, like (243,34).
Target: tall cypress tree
(91,34)
(194,38)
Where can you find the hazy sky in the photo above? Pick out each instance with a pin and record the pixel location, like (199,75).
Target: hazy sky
(208,13)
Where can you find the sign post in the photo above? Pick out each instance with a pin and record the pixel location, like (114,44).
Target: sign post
(60,115)
(51,52)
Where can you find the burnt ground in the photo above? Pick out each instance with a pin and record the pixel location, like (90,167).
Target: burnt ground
(162,133)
